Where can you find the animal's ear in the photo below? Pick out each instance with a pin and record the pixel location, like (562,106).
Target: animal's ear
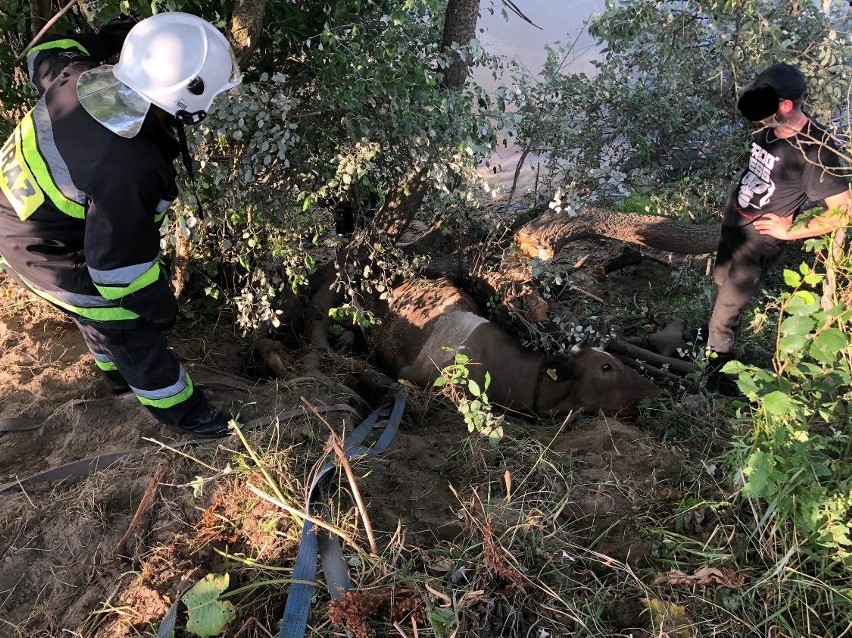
(561,368)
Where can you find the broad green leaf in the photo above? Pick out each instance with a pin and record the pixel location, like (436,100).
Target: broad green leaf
(207,614)
(792,343)
(473,388)
(747,386)
(802,303)
(827,345)
(758,469)
(797,325)
(812,279)
(792,278)
(440,382)
(777,403)
(733,367)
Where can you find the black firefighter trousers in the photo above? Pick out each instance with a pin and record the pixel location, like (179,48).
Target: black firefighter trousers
(743,256)
(137,356)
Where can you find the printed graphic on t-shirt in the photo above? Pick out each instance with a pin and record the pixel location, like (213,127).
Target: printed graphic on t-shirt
(756,186)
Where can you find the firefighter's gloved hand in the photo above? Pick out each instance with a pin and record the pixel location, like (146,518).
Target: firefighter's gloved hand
(164,312)
(165,326)
(113,34)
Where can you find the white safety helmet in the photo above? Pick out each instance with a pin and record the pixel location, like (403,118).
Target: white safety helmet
(179,62)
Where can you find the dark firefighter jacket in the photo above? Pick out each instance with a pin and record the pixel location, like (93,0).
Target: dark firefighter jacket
(81,207)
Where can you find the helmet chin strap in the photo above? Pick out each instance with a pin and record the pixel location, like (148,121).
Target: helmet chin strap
(185,117)
(187,159)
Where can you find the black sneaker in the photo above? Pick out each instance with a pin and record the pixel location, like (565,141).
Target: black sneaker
(720,383)
(207,423)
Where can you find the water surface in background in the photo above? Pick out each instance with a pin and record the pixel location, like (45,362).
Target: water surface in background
(561,21)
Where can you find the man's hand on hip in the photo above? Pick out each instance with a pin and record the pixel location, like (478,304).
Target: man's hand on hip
(774,225)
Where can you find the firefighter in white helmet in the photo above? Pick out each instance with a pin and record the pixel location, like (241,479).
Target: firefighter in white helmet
(87,178)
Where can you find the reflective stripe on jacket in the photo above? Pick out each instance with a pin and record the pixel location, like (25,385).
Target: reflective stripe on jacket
(81,207)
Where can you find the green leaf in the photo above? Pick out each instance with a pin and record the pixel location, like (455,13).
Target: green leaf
(792,278)
(797,325)
(733,367)
(440,382)
(207,614)
(827,345)
(777,403)
(802,302)
(473,388)
(758,469)
(792,343)
(812,279)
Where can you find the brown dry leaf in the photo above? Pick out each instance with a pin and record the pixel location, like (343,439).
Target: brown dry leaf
(441,565)
(668,619)
(725,577)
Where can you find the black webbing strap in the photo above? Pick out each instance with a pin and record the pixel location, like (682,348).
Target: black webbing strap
(314,541)
(188,165)
(19,424)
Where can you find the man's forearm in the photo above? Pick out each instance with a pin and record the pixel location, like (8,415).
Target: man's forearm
(822,224)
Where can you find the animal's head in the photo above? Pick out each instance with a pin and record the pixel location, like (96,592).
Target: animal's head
(591,380)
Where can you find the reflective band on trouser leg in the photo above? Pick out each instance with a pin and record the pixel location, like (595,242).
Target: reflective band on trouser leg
(168,397)
(142,357)
(91,307)
(104,363)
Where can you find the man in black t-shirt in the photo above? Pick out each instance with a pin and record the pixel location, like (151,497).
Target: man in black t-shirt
(791,163)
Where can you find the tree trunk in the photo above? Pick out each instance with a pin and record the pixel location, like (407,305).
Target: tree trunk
(545,235)
(396,214)
(40,13)
(459,27)
(246,28)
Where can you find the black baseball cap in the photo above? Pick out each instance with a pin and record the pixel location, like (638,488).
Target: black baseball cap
(778,82)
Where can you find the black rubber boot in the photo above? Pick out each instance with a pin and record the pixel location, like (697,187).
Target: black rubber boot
(207,422)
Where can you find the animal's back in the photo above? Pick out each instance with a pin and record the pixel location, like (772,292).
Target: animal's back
(421,312)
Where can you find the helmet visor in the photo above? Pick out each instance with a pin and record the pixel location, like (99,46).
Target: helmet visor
(112,103)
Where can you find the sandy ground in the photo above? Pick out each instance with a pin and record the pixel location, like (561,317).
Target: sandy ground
(70,567)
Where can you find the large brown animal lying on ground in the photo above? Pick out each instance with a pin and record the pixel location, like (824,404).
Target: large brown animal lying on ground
(430,320)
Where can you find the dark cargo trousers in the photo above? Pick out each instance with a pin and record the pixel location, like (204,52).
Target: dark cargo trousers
(742,258)
(138,357)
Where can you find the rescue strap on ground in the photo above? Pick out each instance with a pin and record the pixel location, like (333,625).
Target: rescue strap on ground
(88,466)
(318,541)
(313,541)
(18,424)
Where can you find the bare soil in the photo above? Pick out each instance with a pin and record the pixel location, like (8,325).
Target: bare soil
(68,567)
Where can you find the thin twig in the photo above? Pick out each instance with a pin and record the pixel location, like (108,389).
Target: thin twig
(574,288)
(356,493)
(48,25)
(305,516)
(144,505)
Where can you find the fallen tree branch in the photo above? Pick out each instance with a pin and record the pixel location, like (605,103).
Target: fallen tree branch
(48,25)
(545,235)
(677,365)
(655,372)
